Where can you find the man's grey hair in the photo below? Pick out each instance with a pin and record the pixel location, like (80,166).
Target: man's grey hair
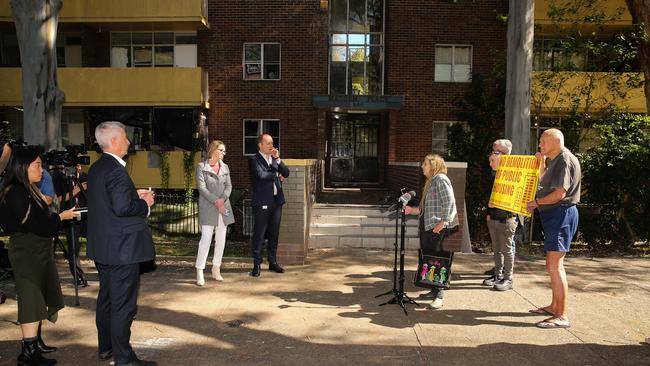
(503,145)
(105,131)
(554,132)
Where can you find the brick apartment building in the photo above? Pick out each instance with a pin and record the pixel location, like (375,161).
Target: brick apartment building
(363,85)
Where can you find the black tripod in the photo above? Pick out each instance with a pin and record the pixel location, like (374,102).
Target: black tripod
(400,296)
(77,274)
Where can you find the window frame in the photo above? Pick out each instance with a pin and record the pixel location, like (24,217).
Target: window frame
(260,130)
(153,45)
(453,61)
(445,140)
(261,62)
(368,45)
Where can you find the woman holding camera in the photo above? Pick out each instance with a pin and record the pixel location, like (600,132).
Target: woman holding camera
(437,212)
(25,215)
(215,212)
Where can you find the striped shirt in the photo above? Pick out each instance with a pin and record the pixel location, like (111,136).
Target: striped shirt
(440,204)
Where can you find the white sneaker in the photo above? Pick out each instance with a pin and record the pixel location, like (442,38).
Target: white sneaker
(436,304)
(200,281)
(216,272)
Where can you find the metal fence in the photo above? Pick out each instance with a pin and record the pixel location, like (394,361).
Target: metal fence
(175,214)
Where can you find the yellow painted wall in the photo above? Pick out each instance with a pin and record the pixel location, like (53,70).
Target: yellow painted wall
(610,8)
(143,176)
(89,11)
(105,86)
(568,82)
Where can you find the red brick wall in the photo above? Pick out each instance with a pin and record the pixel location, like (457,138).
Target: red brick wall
(411,37)
(301,29)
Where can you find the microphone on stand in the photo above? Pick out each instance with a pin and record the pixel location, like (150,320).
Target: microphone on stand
(402,201)
(406,197)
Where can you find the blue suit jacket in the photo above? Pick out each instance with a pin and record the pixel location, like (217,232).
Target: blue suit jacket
(117,218)
(263,178)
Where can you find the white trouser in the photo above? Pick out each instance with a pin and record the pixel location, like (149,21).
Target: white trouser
(206,240)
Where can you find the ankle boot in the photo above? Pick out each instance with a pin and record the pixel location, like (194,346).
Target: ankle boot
(31,356)
(41,345)
(216,272)
(200,281)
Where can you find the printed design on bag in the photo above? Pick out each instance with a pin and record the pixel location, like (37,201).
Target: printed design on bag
(434,272)
(425,270)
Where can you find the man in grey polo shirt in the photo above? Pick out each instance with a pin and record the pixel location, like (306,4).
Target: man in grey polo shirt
(557,195)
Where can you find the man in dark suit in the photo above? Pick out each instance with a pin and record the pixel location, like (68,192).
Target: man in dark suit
(118,240)
(266,171)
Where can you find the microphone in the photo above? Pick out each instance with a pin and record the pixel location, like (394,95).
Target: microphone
(406,197)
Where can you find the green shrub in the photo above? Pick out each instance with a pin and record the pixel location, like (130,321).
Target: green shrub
(616,179)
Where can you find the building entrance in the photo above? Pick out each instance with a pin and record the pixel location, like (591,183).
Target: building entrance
(354,151)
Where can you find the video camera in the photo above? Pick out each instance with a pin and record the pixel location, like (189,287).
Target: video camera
(70,157)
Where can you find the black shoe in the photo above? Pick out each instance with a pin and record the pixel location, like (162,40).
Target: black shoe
(30,355)
(491,281)
(138,362)
(275,267)
(42,347)
(82,282)
(256,270)
(489,272)
(104,356)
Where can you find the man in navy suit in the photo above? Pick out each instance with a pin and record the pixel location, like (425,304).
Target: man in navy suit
(266,171)
(118,240)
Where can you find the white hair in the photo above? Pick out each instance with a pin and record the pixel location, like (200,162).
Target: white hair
(504,146)
(105,131)
(554,132)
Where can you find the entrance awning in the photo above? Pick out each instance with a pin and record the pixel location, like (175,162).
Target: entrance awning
(369,102)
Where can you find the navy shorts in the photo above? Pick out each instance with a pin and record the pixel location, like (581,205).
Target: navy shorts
(560,225)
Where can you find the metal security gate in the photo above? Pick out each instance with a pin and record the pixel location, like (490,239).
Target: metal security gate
(353,154)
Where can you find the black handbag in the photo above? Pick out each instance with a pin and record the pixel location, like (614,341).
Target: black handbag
(434,271)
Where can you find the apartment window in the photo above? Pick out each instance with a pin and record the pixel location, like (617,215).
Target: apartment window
(453,63)
(356,47)
(9,52)
(68,50)
(551,55)
(440,133)
(153,49)
(261,61)
(255,127)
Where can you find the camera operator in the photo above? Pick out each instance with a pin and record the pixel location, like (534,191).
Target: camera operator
(74,229)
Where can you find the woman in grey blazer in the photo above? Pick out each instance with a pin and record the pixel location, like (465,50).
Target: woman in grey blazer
(215,212)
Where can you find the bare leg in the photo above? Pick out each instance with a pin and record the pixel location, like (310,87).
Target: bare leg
(559,284)
(30,330)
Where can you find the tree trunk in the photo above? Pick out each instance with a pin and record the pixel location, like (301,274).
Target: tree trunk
(36,26)
(640,10)
(519,70)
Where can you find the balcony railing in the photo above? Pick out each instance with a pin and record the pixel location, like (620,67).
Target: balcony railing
(559,92)
(105,86)
(128,11)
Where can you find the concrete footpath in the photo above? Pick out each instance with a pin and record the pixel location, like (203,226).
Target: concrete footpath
(326,313)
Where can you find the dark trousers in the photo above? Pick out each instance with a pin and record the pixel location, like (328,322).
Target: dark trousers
(69,240)
(116,307)
(431,243)
(267,226)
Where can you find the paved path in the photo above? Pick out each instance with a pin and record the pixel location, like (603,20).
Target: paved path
(325,313)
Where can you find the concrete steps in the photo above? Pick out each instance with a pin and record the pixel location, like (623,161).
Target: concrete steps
(357,226)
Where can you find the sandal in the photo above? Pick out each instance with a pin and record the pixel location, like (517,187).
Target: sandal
(553,323)
(540,311)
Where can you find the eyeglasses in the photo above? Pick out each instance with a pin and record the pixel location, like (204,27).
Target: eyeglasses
(223,151)
(497,153)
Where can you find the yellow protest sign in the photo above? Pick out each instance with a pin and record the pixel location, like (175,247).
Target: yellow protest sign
(515,183)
